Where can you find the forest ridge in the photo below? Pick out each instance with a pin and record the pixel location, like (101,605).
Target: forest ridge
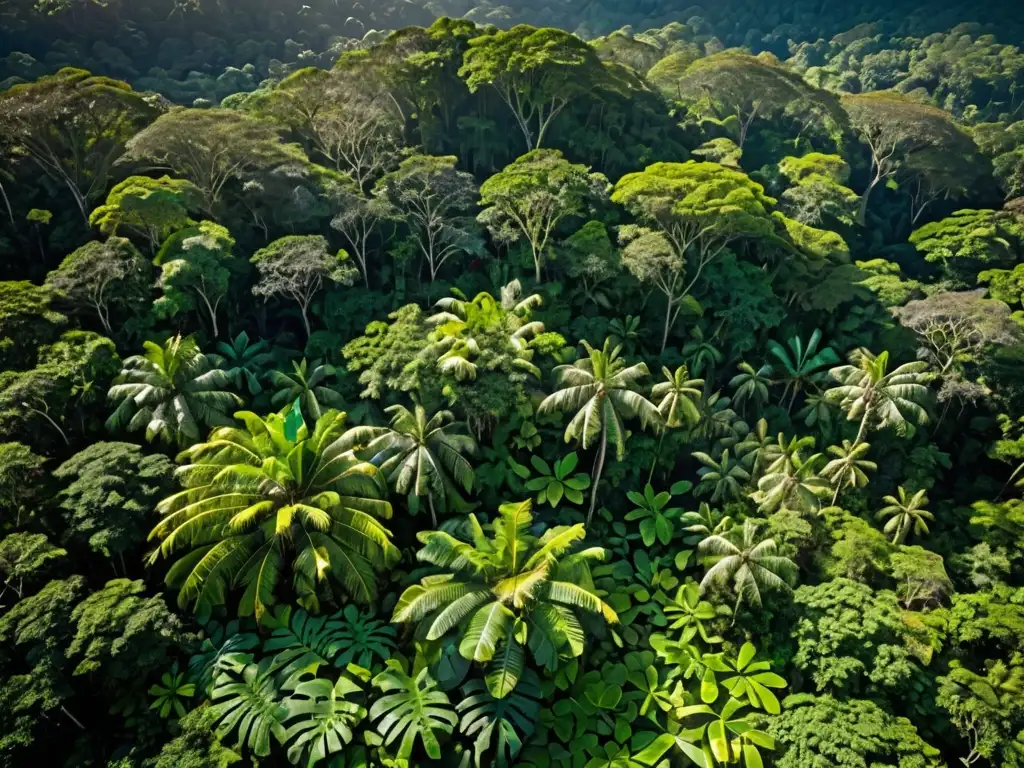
(577,385)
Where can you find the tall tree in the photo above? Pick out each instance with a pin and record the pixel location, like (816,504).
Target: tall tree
(110,492)
(899,129)
(298,267)
(744,87)
(505,591)
(868,391)
(602,390)
(536,72)
(259,502)
(533,195)
(359,219)
(212,148)
(954,327)
(149,208)
(171,390)
(194,271)
(73,127)
(969,241)
(104,276)
(436,200)
(690,212)
(349,119)
(423,454)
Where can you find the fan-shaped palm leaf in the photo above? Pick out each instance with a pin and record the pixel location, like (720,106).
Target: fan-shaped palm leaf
(802,364)
(423,455)
(849,468)
(750,385)
(751,564)
(869,392)
(905,513)
(308,385)
(504,586)
(171,391)
(255,503)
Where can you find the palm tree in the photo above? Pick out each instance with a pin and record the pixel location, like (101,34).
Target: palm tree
(751,385)
(244,362)
(702,355)
(625,331)
(677,398)
(171,390)
(819,412)
(601,389)
(905,513)
(802,364)
(849,468)
(307,386)
(868,391)
(751,564)
(499,583)
(758,450)
(724,479)
(791,482)
(257,503)
(718,421)
(422,455)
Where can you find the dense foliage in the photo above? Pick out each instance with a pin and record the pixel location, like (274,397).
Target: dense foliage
(512,389)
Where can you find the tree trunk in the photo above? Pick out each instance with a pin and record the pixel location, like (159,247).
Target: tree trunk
(305,320)
(598,466)
(433,513)
(862,212)
(73,719)
(213,313)
(7,203)
(668,324)
(863,425)
(657,453)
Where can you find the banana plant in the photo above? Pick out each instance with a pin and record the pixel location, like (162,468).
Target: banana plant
(656,522)
(743,678)
(412,708)
(554,483)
